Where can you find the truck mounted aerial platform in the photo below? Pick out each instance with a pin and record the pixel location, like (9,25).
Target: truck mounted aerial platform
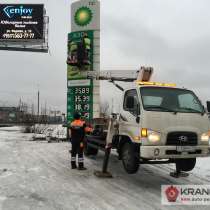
(157,123)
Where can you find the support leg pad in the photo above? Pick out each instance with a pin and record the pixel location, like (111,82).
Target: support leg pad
(101,174)
(178,175)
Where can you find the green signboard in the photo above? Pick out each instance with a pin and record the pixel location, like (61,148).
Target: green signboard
(79,61)
(80,54)
(80,99)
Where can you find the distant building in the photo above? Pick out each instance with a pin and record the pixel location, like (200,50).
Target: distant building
(19,115)
(55,117)
(15,115)
(9,114)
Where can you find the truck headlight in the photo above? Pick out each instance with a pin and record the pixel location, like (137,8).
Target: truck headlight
(205,137)
(151,135)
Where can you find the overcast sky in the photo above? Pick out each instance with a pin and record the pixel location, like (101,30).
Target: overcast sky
(172,36)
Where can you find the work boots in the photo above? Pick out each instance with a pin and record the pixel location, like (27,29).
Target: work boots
(73,165)
(81,166)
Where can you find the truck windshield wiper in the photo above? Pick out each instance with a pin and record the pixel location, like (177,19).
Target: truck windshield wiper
(161,108)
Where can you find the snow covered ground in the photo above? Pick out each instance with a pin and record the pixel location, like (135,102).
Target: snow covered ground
(37,175)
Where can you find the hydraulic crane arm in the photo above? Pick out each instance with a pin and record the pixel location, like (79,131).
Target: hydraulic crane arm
(118,86)
(144,75)
(129,76)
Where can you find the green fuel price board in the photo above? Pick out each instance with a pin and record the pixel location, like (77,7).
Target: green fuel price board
(80,99)
(79,61)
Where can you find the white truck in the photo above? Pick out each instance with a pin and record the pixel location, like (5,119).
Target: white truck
(158,123)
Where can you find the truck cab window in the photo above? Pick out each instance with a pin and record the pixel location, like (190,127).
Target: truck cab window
(189,101)
(170,100)
(131,103)
(152,100)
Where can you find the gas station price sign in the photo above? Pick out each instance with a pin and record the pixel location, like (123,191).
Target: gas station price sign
(79,62)
(80,99)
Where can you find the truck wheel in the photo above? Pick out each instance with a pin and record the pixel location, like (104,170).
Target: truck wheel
(90,150)
(129,158)
(186,164)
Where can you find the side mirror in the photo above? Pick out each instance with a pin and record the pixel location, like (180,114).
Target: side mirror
(208,106)
(130,102)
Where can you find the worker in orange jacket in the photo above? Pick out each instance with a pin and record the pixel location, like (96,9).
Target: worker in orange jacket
(78,129)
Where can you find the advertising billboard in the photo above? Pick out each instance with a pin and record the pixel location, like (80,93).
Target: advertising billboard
(80,54)
(21,22)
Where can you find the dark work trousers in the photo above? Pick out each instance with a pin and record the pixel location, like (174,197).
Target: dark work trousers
(77,149)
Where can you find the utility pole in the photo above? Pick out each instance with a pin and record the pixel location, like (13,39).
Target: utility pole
(45,112)
(32,113)
(38,106)
(20,103)
(32,109)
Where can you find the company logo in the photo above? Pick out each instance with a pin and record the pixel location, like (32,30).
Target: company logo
(183,138)
(11,11)
(172,193)
(185,194)
(83,16)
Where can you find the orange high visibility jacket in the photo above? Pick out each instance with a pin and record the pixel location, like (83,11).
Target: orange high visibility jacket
(78,130)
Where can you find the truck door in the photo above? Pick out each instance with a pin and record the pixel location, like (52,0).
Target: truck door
(130,112)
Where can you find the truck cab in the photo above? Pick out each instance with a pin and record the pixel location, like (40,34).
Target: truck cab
(165,122)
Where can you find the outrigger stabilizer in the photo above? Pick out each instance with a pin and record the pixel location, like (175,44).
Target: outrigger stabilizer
(178,173)
(104,173)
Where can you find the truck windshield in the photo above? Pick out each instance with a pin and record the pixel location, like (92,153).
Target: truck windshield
(170,100)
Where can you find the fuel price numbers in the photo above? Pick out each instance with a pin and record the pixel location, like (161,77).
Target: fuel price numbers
(80,100)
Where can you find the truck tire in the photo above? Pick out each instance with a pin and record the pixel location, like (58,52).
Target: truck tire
(130,158)
(90,150)
(186,164)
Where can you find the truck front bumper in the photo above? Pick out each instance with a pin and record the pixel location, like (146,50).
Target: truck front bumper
(173,152)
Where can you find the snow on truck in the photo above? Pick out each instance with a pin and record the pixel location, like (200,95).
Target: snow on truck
(158,123)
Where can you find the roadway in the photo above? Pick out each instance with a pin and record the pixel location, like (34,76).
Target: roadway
(37,175)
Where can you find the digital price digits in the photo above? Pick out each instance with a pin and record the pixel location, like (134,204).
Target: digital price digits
(82,101)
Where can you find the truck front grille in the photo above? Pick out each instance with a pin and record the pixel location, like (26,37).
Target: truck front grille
(182,139)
